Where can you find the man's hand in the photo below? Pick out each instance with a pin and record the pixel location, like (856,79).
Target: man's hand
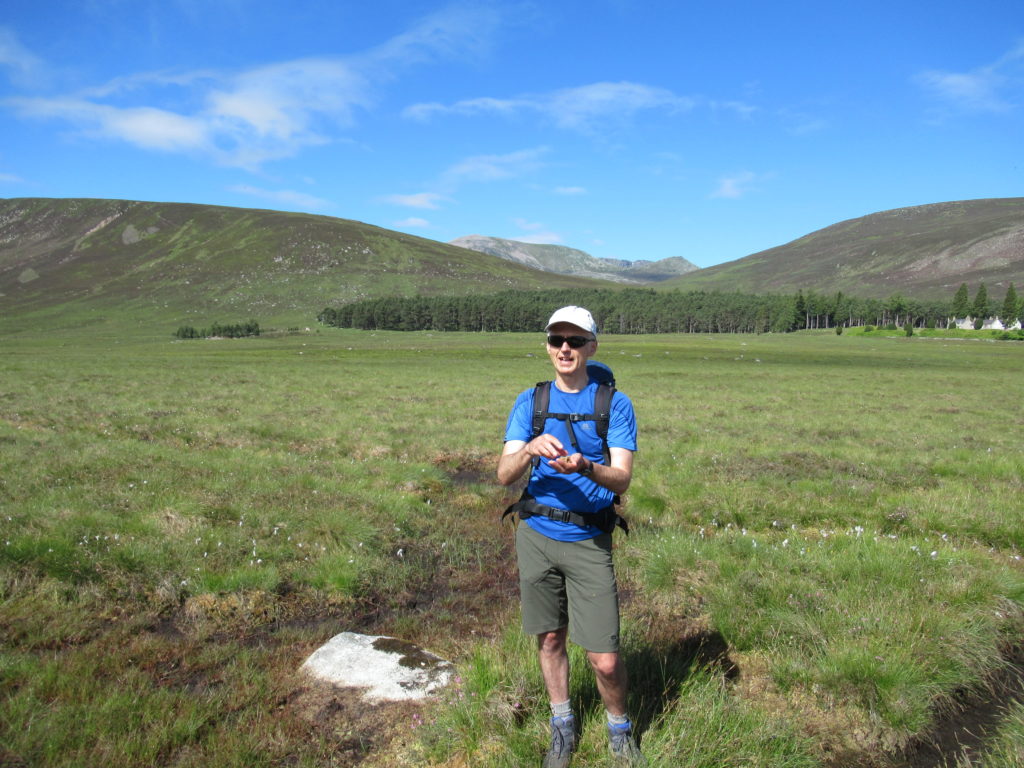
(546,447)
(569,464)
(517,455)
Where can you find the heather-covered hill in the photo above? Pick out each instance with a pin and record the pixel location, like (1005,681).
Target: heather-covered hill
(925,252)
(72,261)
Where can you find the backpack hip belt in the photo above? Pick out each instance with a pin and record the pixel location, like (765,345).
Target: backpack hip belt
(604,519)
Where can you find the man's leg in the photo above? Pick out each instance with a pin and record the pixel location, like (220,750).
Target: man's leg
(554,664)
(612,682)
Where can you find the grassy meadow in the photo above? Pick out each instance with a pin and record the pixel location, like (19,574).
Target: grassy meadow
(824,567)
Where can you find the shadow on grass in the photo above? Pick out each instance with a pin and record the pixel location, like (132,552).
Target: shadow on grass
(658,669)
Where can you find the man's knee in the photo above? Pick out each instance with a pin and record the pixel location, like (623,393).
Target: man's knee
(552,642)
(605,664)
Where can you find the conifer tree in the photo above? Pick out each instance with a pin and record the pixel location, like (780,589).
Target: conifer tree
(1009,312)
(961,302)
(980,307)
(800,310)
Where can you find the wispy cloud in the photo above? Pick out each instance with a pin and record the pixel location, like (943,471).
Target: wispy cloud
(479,168)
(530,226)
(475,169)
(570,191)
(539,238)
(739,108)
(995,87)
(970,91)
(24,68)
(250,117)
(145,127)
(459,30)
(245,119)
(10,178)
(799,123)
(535,232)
(735,186)
(413,222)
(426,200)
(586,108)
(286,197)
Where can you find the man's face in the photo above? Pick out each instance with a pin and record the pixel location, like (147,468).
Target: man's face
(567,360)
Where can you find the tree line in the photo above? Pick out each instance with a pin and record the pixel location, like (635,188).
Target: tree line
(236,331)
(641,310)
(981,308)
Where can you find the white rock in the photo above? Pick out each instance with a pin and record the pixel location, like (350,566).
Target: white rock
(389,669)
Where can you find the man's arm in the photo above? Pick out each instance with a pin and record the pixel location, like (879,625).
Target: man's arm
(618,474)
(517,455)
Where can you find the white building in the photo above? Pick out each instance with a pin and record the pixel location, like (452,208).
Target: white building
(991,323)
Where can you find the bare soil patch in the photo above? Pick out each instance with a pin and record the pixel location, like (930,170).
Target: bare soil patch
(966,731)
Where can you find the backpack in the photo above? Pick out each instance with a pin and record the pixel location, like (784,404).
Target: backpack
(607,518)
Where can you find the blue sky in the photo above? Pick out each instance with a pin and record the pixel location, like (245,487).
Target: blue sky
(633,130)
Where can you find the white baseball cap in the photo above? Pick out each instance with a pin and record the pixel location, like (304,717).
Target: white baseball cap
(574,315)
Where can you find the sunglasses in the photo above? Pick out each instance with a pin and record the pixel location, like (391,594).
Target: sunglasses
(575,342)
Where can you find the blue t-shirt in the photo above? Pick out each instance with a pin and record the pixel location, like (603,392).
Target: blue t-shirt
(573,491)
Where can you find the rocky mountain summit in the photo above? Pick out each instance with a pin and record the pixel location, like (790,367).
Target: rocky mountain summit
(571,261)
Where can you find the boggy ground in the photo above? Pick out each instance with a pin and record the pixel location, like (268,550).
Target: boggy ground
(916,456)
(476,605)
(190,649)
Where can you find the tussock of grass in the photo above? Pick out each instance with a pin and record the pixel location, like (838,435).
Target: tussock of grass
(897,627)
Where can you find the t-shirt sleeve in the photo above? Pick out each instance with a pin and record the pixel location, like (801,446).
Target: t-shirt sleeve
(520,418)
(622,423)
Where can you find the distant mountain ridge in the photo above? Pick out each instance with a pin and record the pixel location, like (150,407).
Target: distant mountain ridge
(571,261)
(73,262)
(924,251)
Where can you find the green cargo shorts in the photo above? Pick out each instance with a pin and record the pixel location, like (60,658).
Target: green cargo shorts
(569,583)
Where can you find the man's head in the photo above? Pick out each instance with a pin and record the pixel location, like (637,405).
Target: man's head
(572,340)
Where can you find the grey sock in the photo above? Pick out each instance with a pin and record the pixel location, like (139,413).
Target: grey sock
(618,720)
(562,710)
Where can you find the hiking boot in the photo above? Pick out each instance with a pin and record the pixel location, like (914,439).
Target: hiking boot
(623,746)
(563,742)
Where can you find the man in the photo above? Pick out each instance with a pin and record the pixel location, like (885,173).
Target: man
(566,579)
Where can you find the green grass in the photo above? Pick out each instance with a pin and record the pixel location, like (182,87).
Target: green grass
(825,554)
(1007,746)
(940,333)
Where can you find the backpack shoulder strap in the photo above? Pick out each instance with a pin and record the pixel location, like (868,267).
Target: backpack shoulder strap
(603,414)
(541,398)
(603,409)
